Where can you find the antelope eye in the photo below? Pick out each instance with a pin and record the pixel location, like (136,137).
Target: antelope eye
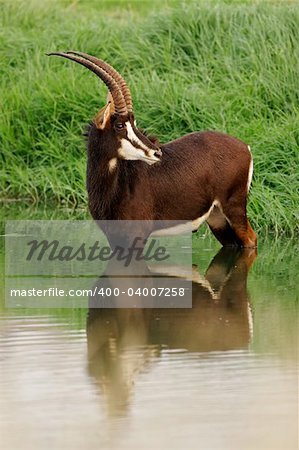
(119,126)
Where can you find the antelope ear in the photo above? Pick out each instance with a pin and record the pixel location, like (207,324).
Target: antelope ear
(103,116)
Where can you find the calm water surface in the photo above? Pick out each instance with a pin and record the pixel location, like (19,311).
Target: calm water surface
(222,375)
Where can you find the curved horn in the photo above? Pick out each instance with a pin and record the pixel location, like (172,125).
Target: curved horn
(113,73)
(117,95)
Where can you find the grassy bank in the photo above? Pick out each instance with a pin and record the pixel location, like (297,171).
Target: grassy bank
(229,66)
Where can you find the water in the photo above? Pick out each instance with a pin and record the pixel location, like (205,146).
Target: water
(222,375)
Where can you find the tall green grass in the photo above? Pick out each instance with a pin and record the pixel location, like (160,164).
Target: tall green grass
(221,65)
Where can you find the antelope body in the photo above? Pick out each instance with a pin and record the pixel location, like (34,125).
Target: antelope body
(200,176)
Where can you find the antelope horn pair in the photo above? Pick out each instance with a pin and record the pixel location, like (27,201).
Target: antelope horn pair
(114,81)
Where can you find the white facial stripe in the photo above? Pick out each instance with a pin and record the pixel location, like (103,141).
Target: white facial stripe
(131,153)
(132,136)
(128,151)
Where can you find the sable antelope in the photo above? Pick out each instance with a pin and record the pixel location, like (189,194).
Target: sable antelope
(203,176)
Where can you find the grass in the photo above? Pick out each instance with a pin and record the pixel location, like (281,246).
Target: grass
(230,66)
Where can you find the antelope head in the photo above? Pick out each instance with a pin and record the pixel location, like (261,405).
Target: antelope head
(115,123)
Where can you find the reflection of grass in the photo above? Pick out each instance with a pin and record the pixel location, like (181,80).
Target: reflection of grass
(220,65)
(274,293)
(281,259)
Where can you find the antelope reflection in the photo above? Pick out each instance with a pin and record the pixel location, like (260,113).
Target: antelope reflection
(124,342)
